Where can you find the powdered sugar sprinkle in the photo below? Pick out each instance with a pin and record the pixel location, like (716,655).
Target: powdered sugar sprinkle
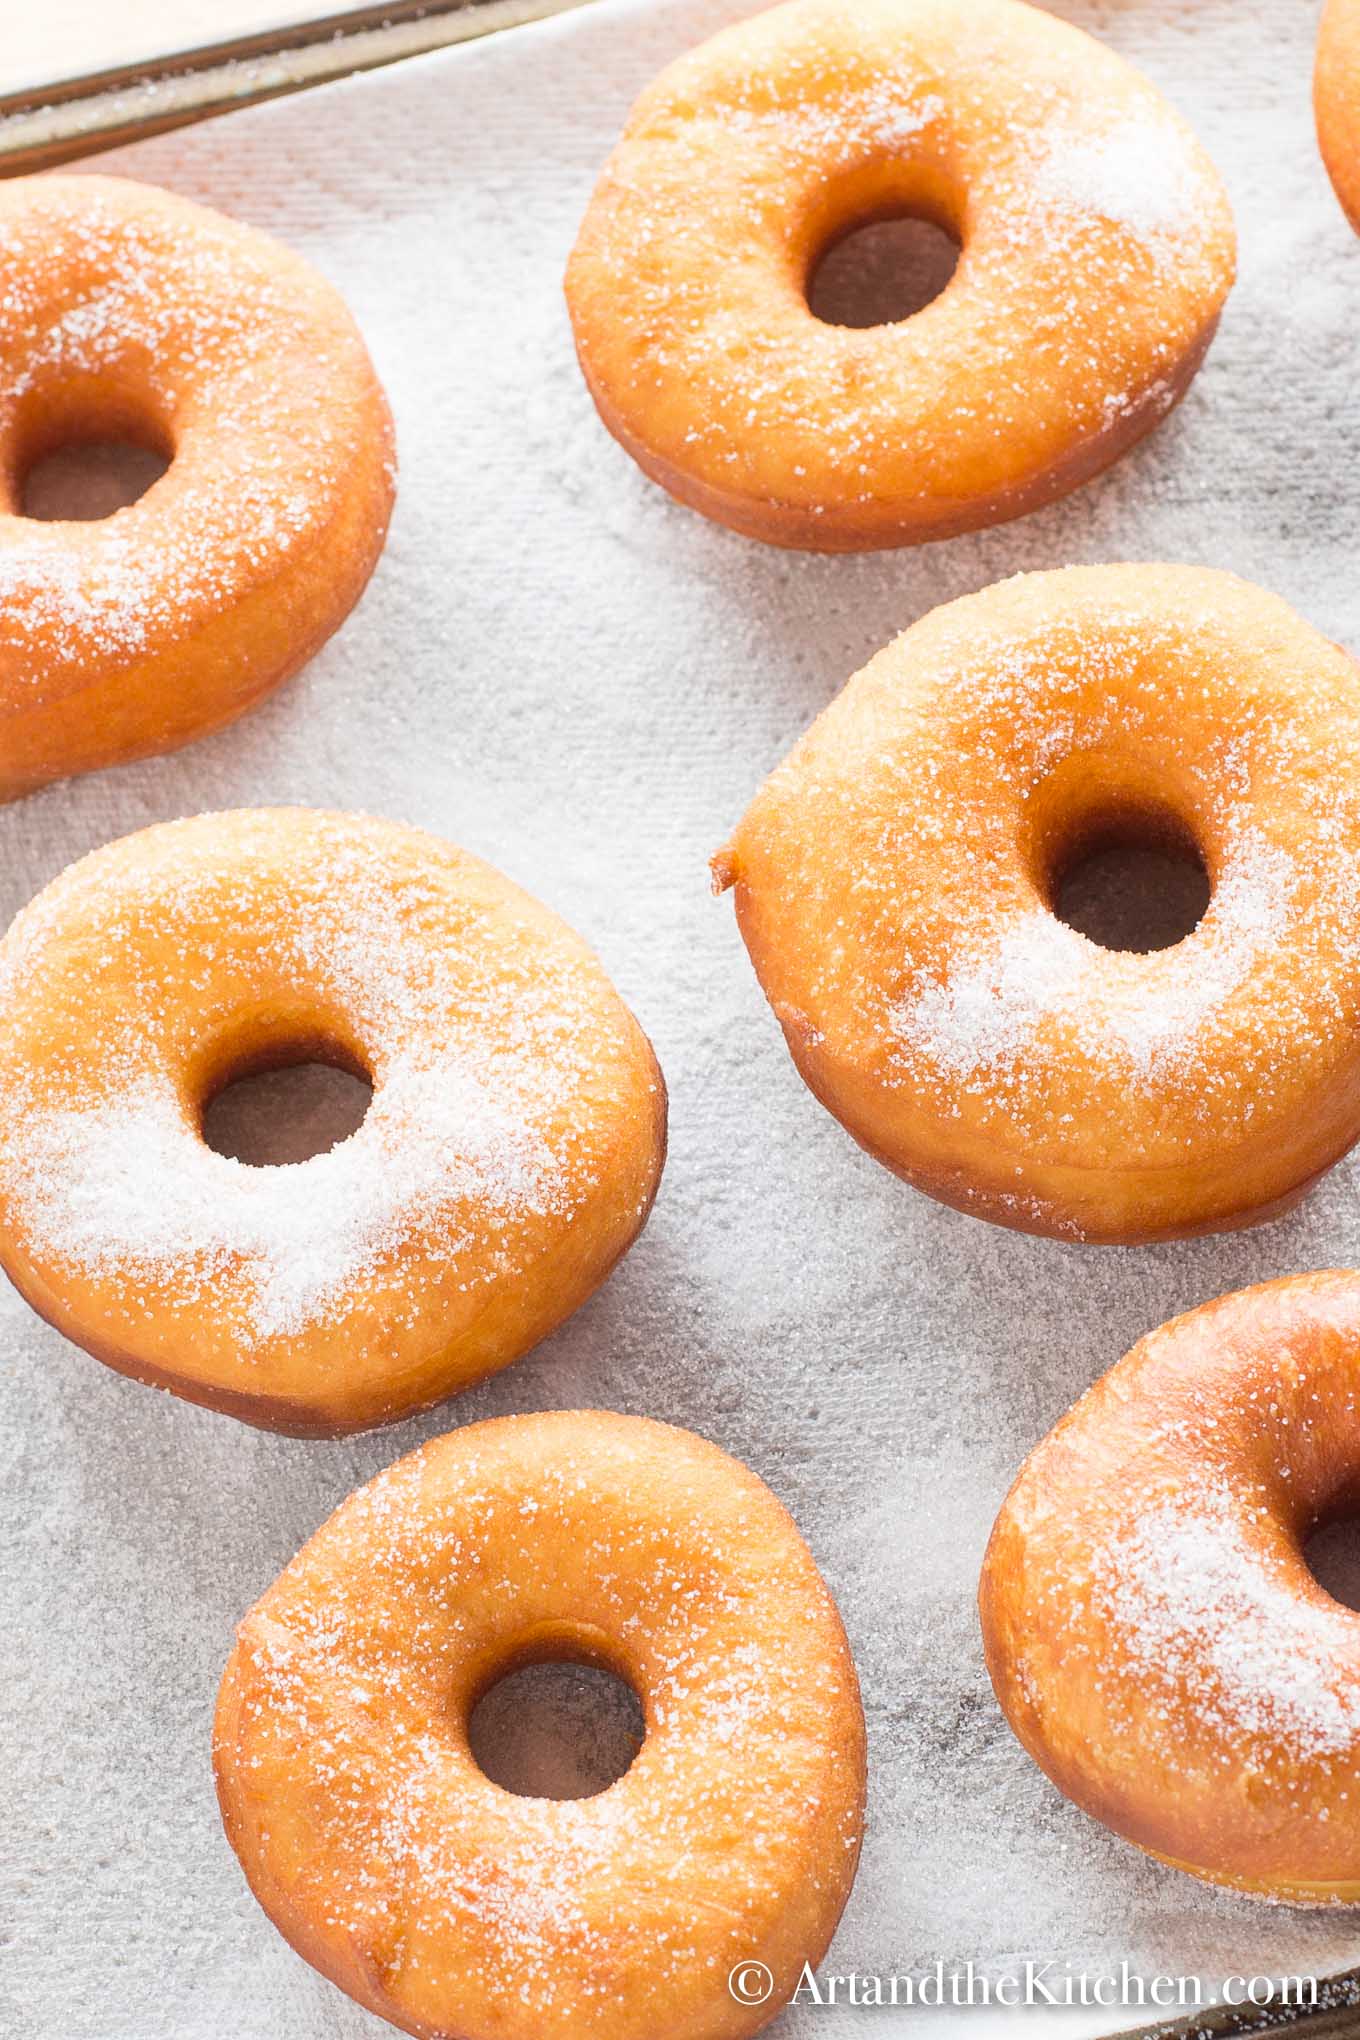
(476,1131)
(1198,1610)
(986,1013)
(1137,174)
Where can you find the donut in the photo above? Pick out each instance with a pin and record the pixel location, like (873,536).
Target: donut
(686,1897)
(1152,1629)
(129,314)
(1097,247)
(1336,101)
(896,876)
(508,1158)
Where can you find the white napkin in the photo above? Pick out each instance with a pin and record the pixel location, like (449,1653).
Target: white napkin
(563,670)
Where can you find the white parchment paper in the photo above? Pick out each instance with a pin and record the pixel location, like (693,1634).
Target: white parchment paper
(562,670)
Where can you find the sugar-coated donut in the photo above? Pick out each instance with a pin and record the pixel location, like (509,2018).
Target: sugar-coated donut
(1152,1629)
(508,1158)
(461,1911)
(1097,249)
(1336,101)
(895,880)
(127,313)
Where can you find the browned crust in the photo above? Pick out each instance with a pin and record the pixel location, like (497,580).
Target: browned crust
(294,1419)
(212,661)
(846,527)
(822,978)
(1222,1370)
(1336,102)
(357,1967)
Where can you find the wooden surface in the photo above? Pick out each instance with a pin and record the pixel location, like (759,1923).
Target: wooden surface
(57,40)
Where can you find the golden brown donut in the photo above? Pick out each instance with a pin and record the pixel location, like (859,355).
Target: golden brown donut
(509,1156)
(127,313)
(1152,1630)
(461,1911)
(1336,101)
(895,881)
(1097,249)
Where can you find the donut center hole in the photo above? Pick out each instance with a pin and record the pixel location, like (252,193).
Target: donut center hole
(881,272)
(1332,1556)
(268,1118)
(89,479)
(82,445)
(556,1730)
(1133,896)
(1114,849)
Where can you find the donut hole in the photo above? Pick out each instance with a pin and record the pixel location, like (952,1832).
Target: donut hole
(283,1113)
(1132,896)
(89,479)
(84,450)
(556,1729)
(880,271)
(1332,1555)
(1115,858)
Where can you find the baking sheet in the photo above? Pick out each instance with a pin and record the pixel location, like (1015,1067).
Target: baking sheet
(561,669)
(68,39)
